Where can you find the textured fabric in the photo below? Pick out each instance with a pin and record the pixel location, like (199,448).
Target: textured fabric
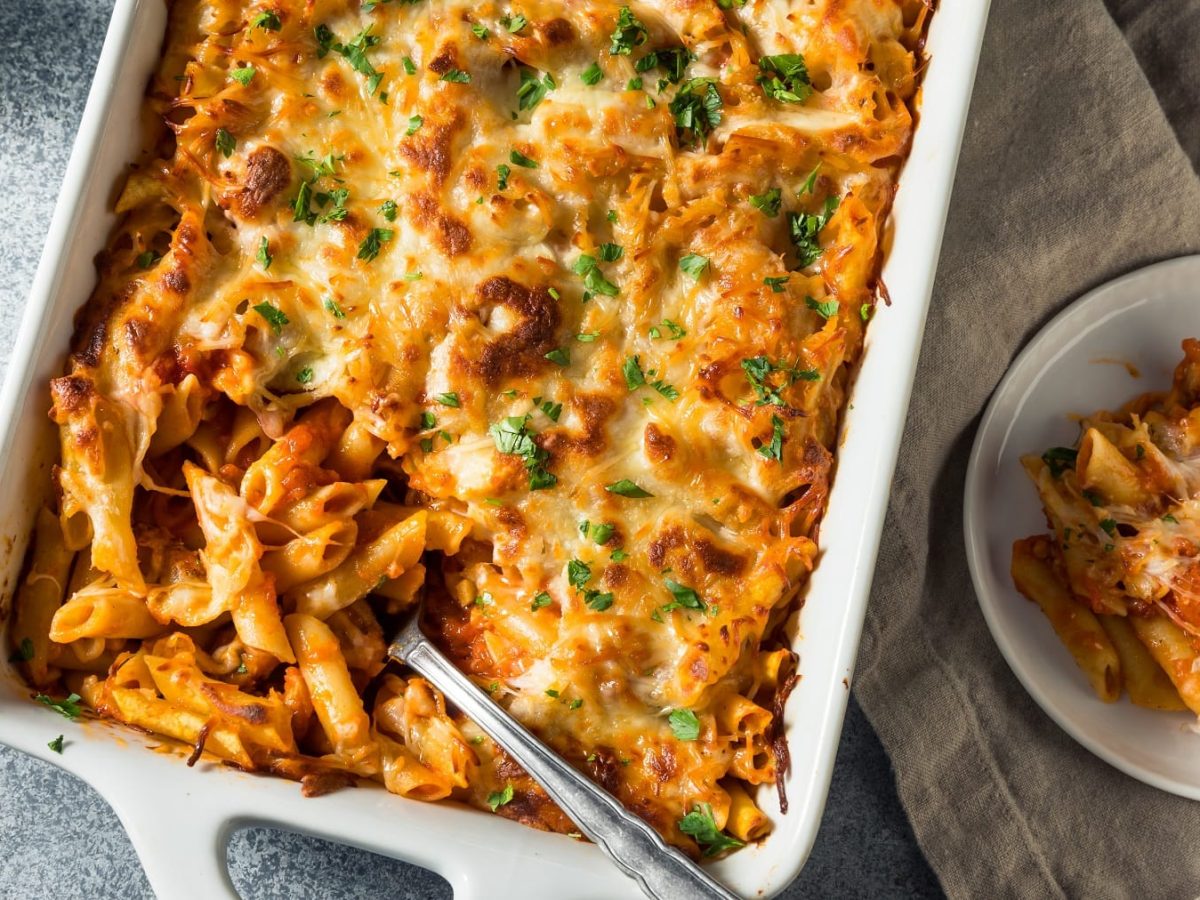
(1070,175)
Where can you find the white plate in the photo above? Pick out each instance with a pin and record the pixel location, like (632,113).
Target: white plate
(1077,365)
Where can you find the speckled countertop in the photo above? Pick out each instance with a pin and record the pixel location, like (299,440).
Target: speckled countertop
(57,837)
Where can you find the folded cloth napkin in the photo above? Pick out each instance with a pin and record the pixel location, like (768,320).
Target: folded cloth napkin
(1070,175)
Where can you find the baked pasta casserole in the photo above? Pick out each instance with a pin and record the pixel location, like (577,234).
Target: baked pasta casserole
(1119,575)
(539,313)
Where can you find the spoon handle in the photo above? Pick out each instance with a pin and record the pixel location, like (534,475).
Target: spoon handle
(663,872)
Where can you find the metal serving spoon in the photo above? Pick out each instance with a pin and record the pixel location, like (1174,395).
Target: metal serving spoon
(662,872)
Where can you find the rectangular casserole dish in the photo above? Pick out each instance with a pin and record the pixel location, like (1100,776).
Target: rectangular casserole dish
(179,819)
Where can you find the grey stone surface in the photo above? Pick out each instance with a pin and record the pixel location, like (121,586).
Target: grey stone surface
(57,837)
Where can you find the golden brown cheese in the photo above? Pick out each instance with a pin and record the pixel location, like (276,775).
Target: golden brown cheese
(585,281)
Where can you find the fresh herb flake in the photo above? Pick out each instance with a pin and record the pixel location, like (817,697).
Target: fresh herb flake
(275,317)
(626,488)
(685,724)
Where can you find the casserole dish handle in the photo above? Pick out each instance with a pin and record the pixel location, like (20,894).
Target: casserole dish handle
(180,840)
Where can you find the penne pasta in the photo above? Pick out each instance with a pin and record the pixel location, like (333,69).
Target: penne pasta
(1075,624)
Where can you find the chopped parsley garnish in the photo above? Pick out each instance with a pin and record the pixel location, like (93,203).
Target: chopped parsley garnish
(599,603)
(1109,526)
(593,278)
(324,167)
(618,556)
(532,89)
(414,124)
(147,259)
(592,75)
(864,311)
(611,252)
(355,53)
(338,196)
(758,371)
(826,309)
(768,203)
(457,76)
(511,435)
(373,243)
(694,264)
(540,599)
(410,67)
(413,276)
(502,173)
(331,306)
(243,76)
(674,329)
(805,229)
(774,450)
(685,724)
(68,707)
(517,158)
(300,206)
(56,745)
(263,255)
(1170,518)
(699,824)
(552,410)
(514,24)
(1059,459)
(428,420)
(634,376)
(811,181)
(23,653)
(268,20)
(480,31)
(697,109)
(275,317)
(450,398)
(325,39)
(579,573)
(684,596)
(628,33)
(497,799)
(225,143)
(1093,498)
(602,531)
(626,488)
(560,356)
(587,337)
(776,283)
(388,210)
(304,376)
(674,61)
(784,77)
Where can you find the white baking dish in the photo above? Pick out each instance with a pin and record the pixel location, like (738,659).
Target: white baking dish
(179,818)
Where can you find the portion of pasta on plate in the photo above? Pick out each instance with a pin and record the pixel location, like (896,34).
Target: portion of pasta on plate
(541,312)
(1119,575)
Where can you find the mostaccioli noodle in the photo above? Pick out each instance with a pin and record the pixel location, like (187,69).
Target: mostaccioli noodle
(541,312)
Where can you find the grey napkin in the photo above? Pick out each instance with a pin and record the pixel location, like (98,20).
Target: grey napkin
(1070,175)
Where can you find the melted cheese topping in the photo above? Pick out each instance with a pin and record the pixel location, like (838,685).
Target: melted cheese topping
(616,341)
